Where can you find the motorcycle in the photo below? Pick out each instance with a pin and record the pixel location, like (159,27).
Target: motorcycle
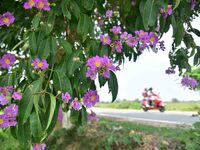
(156,103)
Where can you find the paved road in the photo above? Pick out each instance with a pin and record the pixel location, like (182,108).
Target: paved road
(150,116)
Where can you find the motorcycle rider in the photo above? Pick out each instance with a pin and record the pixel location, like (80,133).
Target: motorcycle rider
(146,95)
(152,96)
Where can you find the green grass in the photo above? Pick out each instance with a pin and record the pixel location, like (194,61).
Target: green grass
(182,134)
(179,106)
(112,135)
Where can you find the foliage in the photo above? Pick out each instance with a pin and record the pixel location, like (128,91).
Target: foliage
(195,73)
(54,41)
(175,100)
(170,106)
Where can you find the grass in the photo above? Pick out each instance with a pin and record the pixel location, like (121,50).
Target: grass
(113,135)
(116,135)
(178,106)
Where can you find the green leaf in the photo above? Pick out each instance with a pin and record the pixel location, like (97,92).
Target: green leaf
(44,49)
(179,33)
(61,82)
(24,134)
(33,43)
(73,62)
(83,116)
(149,14)
(26,104)
(113,85)
(84,25)
(88,4)
(66,45)
(52,110)
(65,11)
(36,127)
(75,10)
(74,116)
(36,21)
(53,45)
(177,2)
(50,21)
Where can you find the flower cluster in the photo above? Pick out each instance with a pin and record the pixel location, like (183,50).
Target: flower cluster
(170,70)
(40,64)
(140,38)
(39,146)
(66,97)
(102,65)
(6,93)
(6,19)
(8,118)
(90,98)
(40,4)
(166,12)
(109,13)
(7,60)
(75,103)
(190,82)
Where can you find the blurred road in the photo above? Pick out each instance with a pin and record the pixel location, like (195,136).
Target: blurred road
(170,117)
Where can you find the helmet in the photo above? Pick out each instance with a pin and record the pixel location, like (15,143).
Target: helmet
(150,89)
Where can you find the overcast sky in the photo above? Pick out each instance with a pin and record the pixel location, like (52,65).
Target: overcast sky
(149,71)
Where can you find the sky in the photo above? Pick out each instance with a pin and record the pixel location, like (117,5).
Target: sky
(149,71)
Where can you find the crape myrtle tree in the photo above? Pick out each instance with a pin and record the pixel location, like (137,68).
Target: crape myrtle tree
(53,52)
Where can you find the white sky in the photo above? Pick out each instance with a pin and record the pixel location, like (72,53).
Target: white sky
(149,71)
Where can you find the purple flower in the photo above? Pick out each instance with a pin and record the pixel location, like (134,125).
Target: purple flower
(66,97)
(43,5)
(132,41)
(17,96)
(166,12)
(193,4)
(11,111)
(92,117)
(143,36)
(4,123)
(6,89)
(75,104)
(91,73)
(40,64)
(105,39)
(9,117)
(125,36)
(190,82)
(3,99)
(116,29)
(101,65)
(118,46)
(60,115)
(90,98)
(30,4)
(109,13)
(6,19)
(153,38)
(170,70)
(7,60)
(39,146)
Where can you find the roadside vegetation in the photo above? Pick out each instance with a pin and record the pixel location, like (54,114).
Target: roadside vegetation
(172,106)
(114,135)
